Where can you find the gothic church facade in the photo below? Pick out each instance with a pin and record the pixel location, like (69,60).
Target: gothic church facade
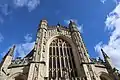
(59,53)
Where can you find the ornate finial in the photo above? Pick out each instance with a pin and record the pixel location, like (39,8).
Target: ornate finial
(58,24)
(13,47)
(44,21)
(11,51)
(71,21)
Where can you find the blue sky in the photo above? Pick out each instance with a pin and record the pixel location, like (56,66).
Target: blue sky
(19,21)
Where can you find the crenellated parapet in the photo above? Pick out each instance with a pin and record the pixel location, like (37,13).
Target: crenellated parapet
(57,30)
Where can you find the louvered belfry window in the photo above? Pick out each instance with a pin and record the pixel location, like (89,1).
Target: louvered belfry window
(61,60)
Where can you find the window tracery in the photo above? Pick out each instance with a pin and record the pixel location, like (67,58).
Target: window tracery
(61,59)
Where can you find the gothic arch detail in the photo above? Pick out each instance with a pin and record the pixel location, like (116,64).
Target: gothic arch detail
(61,59)
(66,42)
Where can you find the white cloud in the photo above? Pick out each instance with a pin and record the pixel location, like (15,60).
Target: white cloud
(28,38)
(30,4)
(1,20)
(1,38)
(117,1)
(5,10)
(103,1)
(112,48)
(22,49)
(80,27)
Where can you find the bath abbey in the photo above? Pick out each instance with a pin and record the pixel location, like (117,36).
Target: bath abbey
(59,53)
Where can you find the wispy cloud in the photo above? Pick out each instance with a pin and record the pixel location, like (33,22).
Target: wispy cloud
(1,19)
(103,1)
(1,38)
(5,10)
(112,48)
(30,4)
(28,37)
(80,27)
(22,49)
(117,1)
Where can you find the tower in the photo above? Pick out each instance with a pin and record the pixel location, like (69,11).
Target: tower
(59,53)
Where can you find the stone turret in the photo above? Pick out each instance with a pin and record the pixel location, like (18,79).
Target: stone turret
(43,24)
(38,61)
(7,60)
(73,26)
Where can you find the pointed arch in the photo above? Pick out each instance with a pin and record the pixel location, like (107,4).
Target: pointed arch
(71,44)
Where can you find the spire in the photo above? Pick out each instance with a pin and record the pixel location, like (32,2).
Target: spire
(9,56)
(58,24)
(10,52)
(104,54)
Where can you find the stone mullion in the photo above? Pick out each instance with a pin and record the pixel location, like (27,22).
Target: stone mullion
(56,60)
(71,61)
(52,61)
(63,55)
(68,60)
(60,58)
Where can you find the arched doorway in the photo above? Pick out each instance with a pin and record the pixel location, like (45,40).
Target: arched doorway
(61,59)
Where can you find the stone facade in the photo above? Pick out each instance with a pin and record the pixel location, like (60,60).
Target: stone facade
(59,53)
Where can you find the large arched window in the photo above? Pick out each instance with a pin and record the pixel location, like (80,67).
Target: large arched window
(61,59)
